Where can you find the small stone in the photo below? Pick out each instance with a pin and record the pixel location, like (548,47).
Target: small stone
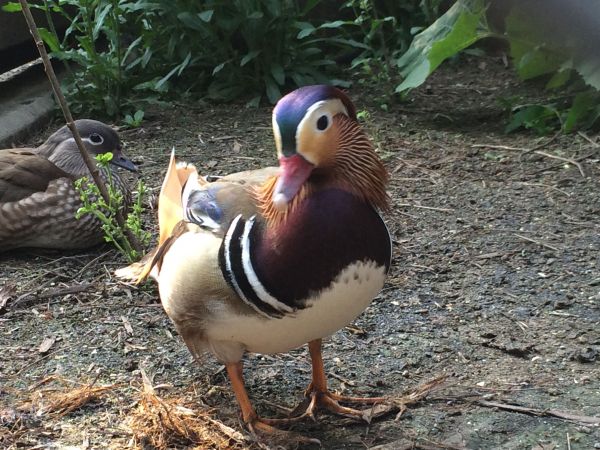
(587,355)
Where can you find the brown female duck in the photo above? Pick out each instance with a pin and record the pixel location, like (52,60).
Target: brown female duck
(38,200)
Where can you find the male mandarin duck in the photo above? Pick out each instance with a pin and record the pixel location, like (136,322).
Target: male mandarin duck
(38,200)
(265,261)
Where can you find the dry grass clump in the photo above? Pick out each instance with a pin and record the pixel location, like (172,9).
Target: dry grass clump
(22,424)
(60,401)
(165,423)
(13,428)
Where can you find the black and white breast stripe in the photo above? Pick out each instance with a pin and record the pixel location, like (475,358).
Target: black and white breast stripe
(237,268)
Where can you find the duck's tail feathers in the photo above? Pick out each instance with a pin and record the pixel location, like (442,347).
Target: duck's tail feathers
(170,207)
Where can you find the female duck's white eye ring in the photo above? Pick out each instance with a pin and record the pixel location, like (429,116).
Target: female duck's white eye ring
(96,139)
(322,123)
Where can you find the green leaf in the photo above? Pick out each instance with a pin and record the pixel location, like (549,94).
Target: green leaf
(205,16)
(254,102)
(306,29)
(305,32)
(308,5)
(146,58)
(185,63)
(191,21)
(50,39)
(99,21)
(249,57)
(532,116)
(218,68)
(559,79)
(335,24)
(132,47)
(580,109)
(256,15)
(161,85)
(461,26)
(12,7)
(278,73)
(273,92)
(540,44)
(341,41)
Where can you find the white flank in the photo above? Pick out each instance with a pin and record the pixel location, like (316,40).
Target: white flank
(332,309)
(329,108)
(255,283)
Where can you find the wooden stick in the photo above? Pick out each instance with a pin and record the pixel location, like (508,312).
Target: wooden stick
(433,208)
(89,161)
(587,138)
(561,158)
(542,413)
(33,298)
(543,244)
(501,147)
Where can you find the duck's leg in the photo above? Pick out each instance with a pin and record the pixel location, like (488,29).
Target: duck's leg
(321,397)
(255,423)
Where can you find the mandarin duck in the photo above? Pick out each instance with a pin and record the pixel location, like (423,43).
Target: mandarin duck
(265,261)
(38,200)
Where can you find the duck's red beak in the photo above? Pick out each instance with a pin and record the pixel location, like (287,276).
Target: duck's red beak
(295,170)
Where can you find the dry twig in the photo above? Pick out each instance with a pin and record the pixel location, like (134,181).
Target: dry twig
(32,298)
(523,150)
(402,402)
(588,420)
(561,158)
(587,138)
(543,244)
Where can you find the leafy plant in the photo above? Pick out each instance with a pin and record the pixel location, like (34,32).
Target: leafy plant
(135,120)
(461,26)
(539,49)
(567,112)
(387,27)
(96,51)
(258,47)
(94,204)
(124,54)
(541,45)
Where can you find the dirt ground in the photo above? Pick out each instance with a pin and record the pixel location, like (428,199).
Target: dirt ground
(495,284)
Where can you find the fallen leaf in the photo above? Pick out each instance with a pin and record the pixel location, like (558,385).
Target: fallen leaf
(549,446)
(46,344)
(237,146)
(6,292)
(212,163)
(127,325)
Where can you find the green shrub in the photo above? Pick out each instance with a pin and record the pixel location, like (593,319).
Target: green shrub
(540,46)
(94,204)
(124,54)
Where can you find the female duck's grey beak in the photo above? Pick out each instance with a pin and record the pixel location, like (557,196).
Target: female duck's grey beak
(120,160)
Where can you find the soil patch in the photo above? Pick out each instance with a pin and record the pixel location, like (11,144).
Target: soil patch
(495,284)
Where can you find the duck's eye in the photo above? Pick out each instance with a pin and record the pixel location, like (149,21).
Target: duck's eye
(322,123)
(96,139)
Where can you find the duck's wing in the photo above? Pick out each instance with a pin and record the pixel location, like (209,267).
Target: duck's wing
(188,201)
(23,173)
(38,204)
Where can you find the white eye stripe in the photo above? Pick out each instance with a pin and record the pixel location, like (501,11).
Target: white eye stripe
(328,108)
(277,135)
